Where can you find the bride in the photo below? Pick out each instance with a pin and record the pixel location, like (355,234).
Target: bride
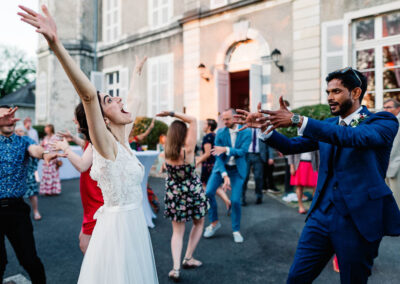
(120,250)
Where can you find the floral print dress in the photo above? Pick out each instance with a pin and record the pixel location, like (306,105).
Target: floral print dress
(50,183)
(185,198)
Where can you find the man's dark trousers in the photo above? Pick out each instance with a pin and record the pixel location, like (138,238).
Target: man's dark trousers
(254,161)
(16,225)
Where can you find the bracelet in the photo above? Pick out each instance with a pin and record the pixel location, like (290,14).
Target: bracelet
(171,113)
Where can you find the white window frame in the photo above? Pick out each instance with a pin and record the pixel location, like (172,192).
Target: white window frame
(350,47)
(151,9)
(214,4)
(116,87)
(111,27)
(151,97)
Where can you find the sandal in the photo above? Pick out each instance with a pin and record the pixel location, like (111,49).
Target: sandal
(174,275)
(187,265)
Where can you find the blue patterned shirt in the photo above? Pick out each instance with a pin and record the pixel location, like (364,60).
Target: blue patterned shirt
(14,157)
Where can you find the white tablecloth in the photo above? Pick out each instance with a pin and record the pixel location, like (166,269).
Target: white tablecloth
(147,158)
(67,170)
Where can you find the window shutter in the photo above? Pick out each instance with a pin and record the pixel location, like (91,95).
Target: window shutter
(222,91)
(255,86)
(332,50)
(124,83)
(97,79)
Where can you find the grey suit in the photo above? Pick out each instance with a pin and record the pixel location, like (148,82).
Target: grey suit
(393,172)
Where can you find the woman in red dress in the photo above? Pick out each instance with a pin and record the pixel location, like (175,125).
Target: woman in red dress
(91,195)
(304,173)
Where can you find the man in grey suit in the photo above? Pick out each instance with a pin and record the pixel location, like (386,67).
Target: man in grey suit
(393,172)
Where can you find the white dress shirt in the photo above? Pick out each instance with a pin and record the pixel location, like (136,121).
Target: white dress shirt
(300,131)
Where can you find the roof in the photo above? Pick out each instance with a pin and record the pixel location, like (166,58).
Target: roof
(23,97)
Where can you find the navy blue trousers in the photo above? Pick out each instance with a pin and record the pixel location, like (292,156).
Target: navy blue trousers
(325,234)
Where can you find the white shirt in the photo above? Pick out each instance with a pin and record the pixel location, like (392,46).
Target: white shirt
(233,133)
(257,148)
(32,133)
(300,131)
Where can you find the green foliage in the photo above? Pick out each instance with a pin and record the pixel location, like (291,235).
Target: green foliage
(15,70)
(40,130)
(319,112)
(142,123)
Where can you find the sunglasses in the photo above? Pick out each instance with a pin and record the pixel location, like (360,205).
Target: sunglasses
(347,69)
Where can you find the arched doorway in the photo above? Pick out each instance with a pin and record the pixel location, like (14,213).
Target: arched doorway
(242,77)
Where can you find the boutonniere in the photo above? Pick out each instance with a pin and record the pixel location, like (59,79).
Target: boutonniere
(358,119)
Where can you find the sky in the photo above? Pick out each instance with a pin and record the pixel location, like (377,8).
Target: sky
(14,32)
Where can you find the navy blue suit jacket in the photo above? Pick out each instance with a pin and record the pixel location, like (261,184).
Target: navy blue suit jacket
(360,167)
(242,143)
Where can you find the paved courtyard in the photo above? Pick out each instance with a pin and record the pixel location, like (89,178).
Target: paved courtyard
(271,231)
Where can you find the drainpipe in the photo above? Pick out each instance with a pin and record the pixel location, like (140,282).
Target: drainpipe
(95,21)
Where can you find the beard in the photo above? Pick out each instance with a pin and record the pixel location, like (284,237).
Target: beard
(343,108)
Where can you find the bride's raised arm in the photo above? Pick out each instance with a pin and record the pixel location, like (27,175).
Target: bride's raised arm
(102,139)
(135,99)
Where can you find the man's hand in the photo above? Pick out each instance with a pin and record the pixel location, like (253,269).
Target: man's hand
(7,118)
(218,150)
(227,184)
(270,162)
(249,119)
(278,118)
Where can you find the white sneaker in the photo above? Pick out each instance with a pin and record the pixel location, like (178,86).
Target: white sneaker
(237,237)
(211,230)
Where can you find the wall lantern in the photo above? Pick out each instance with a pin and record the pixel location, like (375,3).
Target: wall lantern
(274,57)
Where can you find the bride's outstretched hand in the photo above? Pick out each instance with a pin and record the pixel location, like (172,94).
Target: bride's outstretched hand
(249,119)
(44,24)
(139,64)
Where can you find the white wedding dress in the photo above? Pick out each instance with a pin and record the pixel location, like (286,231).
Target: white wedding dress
(120,250)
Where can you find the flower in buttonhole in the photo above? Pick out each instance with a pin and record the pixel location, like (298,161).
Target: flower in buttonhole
(358,119)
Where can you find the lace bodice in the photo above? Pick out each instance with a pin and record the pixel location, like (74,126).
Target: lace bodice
(120,180)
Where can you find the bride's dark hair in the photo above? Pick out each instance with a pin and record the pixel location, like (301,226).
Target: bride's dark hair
(81,118)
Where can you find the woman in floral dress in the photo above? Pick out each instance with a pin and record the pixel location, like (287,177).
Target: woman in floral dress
(185,199)
(50,182)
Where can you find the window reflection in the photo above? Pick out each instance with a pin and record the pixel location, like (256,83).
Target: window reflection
(365,29)
(369,100)
(365,59)
(391,24)
(391,63)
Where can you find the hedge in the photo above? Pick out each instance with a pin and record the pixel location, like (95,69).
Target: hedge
(142,123)
(319,112)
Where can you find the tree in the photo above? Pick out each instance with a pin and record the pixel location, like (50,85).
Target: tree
(15,70)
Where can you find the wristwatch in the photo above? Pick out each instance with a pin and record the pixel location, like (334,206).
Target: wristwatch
(295,119)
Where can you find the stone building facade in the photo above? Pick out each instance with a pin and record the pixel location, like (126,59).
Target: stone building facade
(232,39)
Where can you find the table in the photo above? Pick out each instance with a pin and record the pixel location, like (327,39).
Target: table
(67,170)
(147,158)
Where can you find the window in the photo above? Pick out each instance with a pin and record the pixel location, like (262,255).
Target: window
(160,12)
(111,20)
(376,53)
(217,3)
(112,83)
(160,82)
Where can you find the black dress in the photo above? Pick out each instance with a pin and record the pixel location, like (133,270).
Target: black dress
(207,165)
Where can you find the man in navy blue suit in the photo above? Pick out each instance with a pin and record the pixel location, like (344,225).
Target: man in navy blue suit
(230,169)
(353,208)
